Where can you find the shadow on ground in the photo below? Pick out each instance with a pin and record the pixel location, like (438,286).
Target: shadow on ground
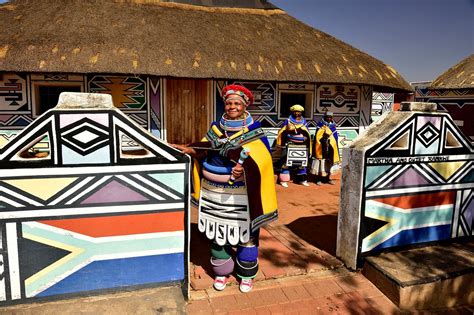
(319,231)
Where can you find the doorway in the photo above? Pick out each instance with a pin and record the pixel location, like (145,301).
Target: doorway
(187,109)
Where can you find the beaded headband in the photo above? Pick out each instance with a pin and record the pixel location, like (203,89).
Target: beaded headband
(235,90)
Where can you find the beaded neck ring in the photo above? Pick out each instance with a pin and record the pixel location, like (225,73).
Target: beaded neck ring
(230,127)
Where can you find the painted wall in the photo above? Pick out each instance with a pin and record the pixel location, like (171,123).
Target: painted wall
(410,180)
(103,207)
(351,106)
(139,97)
(458,103)
(381,103)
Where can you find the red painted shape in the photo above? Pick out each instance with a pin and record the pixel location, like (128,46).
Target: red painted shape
(122,225)
(420,200)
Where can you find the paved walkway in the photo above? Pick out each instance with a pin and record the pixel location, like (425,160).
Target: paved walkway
(330,292)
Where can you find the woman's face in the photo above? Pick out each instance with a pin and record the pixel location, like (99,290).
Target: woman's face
(234,109)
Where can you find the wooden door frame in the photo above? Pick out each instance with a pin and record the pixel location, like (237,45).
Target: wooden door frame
(210,99)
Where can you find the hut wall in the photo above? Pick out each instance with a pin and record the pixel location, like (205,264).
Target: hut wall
(105,207)
(350,104)
(407,181)
(23,97)
(142,99)
(381,104)
(459,103)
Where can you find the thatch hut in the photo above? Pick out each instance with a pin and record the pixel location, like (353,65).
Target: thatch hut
(164,62)
(453,91)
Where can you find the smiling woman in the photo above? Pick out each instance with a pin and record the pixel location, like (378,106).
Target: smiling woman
(237,191)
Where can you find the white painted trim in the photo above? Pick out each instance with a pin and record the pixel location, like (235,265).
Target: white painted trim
(13,260)
(90,170)
(89,210)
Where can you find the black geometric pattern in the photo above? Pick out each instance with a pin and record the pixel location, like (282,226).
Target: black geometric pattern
(428,134)
(85,136)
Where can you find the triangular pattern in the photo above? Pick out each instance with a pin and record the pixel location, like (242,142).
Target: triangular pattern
(173,180)
(43,188)
(410,177)
(375,172)
(386,148)
(450,141)
(370,226)
(114,191)
(454,141)
(447,169)
(402,143)
(35,256)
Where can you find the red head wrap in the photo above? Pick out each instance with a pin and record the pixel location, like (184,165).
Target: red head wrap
(238,90)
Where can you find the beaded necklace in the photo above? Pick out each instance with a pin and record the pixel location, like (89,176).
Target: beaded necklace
(235,125)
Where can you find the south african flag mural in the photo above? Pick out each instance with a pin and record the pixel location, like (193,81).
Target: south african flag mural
(103,207)
(414,184)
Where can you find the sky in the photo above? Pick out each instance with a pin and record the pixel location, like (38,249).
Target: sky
(421,39)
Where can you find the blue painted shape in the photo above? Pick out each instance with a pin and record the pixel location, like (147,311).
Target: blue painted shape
(173,180)
(71,157)
(431,149)
(421,235)
(373,172)
(469,178)
(115,273)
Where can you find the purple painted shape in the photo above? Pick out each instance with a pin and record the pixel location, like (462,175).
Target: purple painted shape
(4,118)
(409,178)
(422,120)
(469,213)
(114,192)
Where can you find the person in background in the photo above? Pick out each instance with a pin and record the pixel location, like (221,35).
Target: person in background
(325,151)
(295,140)
(233,180)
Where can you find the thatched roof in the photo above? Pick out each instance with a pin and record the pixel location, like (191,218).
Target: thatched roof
(169,39)
(461,76)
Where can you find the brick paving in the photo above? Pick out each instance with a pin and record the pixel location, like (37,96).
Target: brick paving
(298,271)
(327,292)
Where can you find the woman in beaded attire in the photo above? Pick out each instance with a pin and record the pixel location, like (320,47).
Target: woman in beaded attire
(294,135)
(234,182)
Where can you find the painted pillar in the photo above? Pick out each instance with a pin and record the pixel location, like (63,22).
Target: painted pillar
(408,179)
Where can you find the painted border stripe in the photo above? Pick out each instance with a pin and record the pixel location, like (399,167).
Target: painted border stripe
(13,262)
(419,200)
(122,225)
(89,210)
(65,171)
(404,191)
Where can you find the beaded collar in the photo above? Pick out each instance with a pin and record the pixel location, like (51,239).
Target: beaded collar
(233,126)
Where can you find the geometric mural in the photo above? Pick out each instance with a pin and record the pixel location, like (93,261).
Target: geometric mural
(338,99)
(13,95)
(418,186)
(94,213)
(409,180)
(381,103)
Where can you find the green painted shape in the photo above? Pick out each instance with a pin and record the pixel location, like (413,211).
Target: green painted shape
(173,180)
(373,172)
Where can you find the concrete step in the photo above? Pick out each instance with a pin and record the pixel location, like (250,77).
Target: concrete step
(429,277)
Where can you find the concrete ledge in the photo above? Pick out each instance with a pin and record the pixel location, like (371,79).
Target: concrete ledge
(425,278)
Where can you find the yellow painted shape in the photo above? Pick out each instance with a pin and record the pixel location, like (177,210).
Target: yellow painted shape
(3,141)
(43,188)
(446,169)
(75,251)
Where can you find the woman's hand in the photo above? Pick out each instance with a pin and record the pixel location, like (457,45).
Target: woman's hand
(237,171)
(183,148)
